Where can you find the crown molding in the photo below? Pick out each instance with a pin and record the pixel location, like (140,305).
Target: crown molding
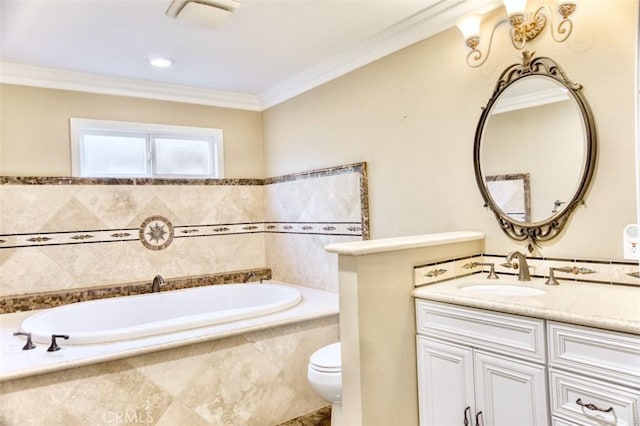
(27,75)
(530,100)
(430,21)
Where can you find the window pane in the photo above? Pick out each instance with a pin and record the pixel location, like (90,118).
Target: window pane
(120,149)
(109,155)
(183,157)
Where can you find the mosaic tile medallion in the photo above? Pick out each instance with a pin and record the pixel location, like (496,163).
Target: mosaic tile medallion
(156,233)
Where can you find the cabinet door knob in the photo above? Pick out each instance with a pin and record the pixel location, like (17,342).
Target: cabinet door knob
(592,407)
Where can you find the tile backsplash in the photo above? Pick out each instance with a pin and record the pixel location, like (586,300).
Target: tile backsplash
(588,271)
(66,233)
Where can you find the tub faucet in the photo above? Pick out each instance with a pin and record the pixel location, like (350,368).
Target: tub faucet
(523,267)
(29,344)
(157,282)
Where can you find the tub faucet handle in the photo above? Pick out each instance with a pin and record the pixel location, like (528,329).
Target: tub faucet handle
(29,344)
(54,345)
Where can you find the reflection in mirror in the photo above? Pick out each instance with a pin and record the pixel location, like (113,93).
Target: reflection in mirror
(536,124)
(511,194)
(536,128)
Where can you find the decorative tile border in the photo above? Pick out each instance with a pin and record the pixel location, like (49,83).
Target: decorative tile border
(348,229)
(218,229)
(329,171)
(360,168)
(448,269)
(156,233)
(59,180)
(356,229)
(12,241)
(584,271)
(31,301)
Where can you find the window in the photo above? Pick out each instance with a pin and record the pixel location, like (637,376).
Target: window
(121,149)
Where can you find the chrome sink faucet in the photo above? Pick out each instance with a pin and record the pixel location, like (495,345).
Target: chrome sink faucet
(157,282)
(523,267)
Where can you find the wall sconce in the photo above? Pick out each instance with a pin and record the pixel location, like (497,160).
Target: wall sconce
(524,27)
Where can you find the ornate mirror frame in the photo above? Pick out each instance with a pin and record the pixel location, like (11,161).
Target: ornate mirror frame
(549,228)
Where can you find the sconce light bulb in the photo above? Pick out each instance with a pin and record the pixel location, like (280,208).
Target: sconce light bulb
(515,7)
(469,26)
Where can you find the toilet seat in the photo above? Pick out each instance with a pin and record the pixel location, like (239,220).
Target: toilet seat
(327,359)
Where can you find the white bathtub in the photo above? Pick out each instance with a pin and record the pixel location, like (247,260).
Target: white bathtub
(131,317)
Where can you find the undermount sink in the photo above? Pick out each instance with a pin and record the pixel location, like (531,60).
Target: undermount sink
(501,289)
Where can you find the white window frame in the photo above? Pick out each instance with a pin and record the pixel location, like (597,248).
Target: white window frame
(149,131)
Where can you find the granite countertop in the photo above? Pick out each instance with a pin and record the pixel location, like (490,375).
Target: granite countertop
(610,307)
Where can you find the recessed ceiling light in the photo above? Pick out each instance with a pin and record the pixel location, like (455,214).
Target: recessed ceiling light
(160,61)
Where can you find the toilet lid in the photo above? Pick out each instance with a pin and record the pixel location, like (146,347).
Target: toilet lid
(327,358)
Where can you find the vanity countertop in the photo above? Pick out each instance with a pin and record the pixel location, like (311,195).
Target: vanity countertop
(610,307)
(364,247)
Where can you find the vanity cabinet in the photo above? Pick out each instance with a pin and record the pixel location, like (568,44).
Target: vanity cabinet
(463,386)
(480,368)
(594,376)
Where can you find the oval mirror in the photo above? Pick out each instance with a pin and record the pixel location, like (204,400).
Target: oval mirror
(535,148)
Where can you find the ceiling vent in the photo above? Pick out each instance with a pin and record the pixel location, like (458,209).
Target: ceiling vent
(203,13)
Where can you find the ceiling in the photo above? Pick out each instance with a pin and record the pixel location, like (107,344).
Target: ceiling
(263,54)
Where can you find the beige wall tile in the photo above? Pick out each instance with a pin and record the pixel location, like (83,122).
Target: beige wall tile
(301,259)
(328,198)
(241,380)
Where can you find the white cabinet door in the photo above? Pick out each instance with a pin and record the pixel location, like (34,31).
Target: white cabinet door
(445,383)
(510,392)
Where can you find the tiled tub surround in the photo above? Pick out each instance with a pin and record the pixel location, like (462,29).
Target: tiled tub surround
(55,211)
(302,199)
(66,233)
(31,301)
(297,198)
(582,271)
(251,372)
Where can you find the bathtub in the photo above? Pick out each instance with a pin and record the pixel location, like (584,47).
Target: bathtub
(131,317)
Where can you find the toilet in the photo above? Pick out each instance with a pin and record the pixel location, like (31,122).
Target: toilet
(325,377)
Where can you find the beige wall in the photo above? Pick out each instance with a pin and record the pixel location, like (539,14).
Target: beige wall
(34,122)
(412,117)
